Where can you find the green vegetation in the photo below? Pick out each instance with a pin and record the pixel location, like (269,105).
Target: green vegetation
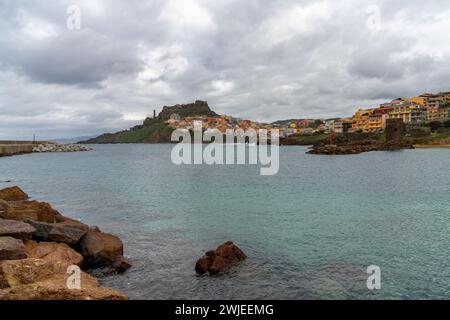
(434,125)
(157,132)
(440,137)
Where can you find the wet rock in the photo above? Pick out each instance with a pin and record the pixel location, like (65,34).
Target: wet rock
(100,249)
(121,265)
(220,260)
(58,253)
(16,229)
(55,288)
(13,194)
(11,249)
(204,263)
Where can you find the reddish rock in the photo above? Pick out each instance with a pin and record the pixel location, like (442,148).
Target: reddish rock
(58,253)
(54,287)
(358,147)
(121,265)
(19,272)
(16,229)
(100,249)
(3,205)
(72,223)
(220,260)
(33,210)
(13,194)
(204,263)
(11,249)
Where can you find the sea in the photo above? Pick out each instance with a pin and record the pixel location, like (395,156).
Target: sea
(316,230)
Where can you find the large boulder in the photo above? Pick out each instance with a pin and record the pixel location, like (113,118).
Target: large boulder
(66,234)
(3,205)
(13,194)
(16,229)
(58,253)
(55,288)
(11,249)
(19,272)
(33,210)
(70,231)
(220,260)
(68,222)
(102,250)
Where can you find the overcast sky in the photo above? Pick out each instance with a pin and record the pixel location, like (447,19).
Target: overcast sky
(258,59)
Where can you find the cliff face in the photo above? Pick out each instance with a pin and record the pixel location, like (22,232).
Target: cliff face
(198,108)
(155,130)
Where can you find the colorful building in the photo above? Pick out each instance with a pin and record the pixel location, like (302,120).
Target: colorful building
(337,126)
(437,114)
(417,100)
(362,119)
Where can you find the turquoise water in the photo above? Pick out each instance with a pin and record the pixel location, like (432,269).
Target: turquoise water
(309,232)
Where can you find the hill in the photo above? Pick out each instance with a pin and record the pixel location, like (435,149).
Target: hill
(155,130)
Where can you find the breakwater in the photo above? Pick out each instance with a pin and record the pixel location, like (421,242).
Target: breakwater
(14,149)
(11,148)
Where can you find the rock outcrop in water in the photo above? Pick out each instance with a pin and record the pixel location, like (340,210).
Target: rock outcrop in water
(13,194)
(221,260)
(359,147)
(38,244)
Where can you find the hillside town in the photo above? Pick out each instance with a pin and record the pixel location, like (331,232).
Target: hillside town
(415,111)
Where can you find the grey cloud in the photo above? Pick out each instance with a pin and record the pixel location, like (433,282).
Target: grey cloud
(75,58)
(135,56)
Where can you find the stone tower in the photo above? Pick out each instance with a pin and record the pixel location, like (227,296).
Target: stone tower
(395,130)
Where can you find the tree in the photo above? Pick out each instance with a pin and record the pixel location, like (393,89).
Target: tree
(447,124)
(434,125)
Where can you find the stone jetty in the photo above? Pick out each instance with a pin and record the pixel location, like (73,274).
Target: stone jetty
(39,246)
(8,148)
(11,148)
(55,147)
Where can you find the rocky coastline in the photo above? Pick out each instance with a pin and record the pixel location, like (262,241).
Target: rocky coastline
(39,246)
(56,147)
(358,147)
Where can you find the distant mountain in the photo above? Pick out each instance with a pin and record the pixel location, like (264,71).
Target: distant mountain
(72,140)
(285,122)
(155,130)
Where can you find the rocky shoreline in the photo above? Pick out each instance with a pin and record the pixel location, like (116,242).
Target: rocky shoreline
(39,246)
(56,147)
(358,147)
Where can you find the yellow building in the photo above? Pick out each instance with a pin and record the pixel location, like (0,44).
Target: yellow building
(417,100)
(437,114)
(361,120)
(401,112)
(375,122)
